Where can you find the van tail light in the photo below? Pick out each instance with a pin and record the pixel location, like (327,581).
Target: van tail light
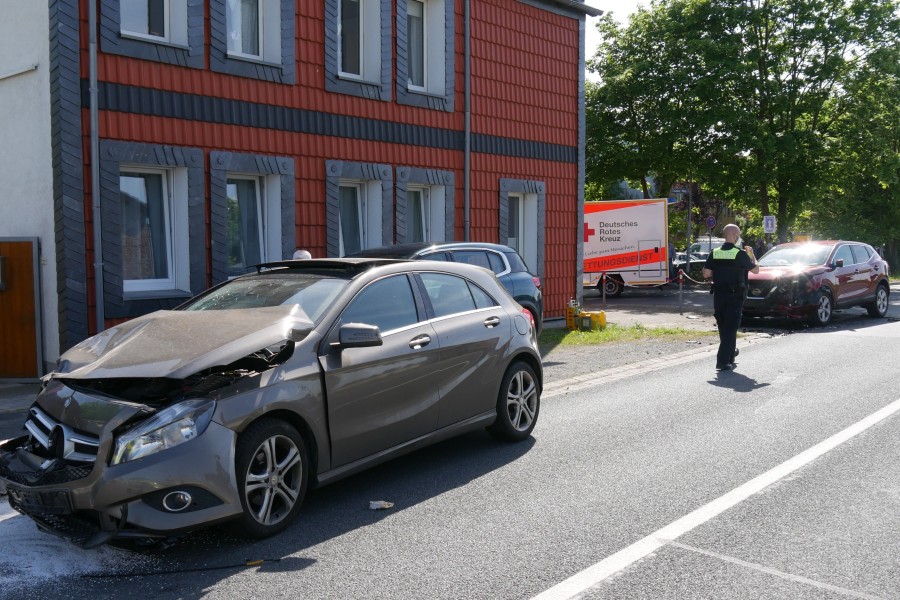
(537,281)
(530,318)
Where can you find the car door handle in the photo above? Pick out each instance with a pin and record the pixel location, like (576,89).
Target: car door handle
(491,322)
(419,342)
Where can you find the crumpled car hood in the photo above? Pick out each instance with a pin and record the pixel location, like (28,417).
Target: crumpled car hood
(771,273)
(177,344)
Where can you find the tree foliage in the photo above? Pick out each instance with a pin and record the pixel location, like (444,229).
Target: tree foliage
(763,102)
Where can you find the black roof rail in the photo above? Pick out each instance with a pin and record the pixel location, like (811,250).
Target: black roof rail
(346,264)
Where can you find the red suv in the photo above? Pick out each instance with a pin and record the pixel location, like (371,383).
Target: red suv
(811,279)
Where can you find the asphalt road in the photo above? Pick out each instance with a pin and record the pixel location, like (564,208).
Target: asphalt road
(641,487)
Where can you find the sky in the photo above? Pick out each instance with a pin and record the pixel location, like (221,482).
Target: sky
(620,9)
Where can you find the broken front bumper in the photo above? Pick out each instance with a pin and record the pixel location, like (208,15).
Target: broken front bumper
(92,503)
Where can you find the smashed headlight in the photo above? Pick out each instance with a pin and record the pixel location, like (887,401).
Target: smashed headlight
(175,425)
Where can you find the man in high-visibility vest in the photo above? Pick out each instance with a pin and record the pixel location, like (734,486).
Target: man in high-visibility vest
(728,267)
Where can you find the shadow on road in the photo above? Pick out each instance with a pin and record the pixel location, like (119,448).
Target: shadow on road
(735,381)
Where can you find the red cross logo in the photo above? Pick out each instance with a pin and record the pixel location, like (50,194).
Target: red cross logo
(588,232)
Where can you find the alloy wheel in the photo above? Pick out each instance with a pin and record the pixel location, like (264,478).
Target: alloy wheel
(823,310)
(521,400)
(274,480)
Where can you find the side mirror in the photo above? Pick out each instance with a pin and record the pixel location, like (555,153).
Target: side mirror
(358,335)
(839,263)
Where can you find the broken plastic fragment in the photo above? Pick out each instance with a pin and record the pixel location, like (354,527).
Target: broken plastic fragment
(380,505)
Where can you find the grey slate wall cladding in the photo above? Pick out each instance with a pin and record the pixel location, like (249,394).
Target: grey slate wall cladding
(113,42)
(218,48)
(411,97)
(335,170)
(112,155)
(525,187)
(407,175)
(68,173)
(223,163)
(375,90)
(145,101)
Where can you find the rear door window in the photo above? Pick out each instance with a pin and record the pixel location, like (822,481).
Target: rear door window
(516,264)
(472,257)
(442,256)
(497,264)
(449,294)
(861,253)
(482,298)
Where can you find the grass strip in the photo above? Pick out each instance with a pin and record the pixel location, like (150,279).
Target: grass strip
(615,333)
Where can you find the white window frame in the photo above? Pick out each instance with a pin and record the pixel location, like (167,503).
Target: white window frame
(423,196)
(426,37)
(261,210)
(369,42)
(368,212)
(360,188)
(434,59)
(174,19)
(525,226)
(269,23)
(175,214)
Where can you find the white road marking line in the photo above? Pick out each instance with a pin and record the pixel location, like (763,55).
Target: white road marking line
(777,573)
(591,576)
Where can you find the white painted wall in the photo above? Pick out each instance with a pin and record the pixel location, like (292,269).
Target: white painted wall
(26,173)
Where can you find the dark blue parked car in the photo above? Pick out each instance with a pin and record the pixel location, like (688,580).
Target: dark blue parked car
(504,261)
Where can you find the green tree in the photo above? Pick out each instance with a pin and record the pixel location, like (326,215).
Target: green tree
(862,200)
(743,96)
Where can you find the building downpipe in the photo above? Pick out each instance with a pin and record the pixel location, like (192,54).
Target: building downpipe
(467,167)
(95,169)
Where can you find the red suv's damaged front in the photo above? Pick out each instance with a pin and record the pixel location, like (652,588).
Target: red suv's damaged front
(811,279)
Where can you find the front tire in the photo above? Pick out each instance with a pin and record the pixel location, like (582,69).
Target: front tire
(824,310)
(518,404)
(272,468)
(879,307)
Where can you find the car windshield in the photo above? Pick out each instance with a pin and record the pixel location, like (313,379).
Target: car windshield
(313,293)
(805,255)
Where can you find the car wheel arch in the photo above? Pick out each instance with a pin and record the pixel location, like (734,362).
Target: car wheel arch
(302,427)
(532,362)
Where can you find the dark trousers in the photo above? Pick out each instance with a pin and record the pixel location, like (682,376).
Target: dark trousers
(728,306)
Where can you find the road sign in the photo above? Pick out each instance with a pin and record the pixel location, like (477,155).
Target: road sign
(710,222)
(679,188)
(769,224)
(672,199)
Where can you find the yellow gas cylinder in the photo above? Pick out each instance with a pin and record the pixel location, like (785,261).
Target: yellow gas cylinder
(572,310)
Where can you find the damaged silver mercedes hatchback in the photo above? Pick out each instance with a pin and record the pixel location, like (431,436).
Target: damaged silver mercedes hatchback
(232,406)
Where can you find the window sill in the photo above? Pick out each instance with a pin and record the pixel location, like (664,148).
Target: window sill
(155,294)
(356,79)
(252,60)
(152,39)
(424,92)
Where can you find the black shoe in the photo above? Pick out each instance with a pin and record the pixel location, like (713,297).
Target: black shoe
(727,367)
(736,352)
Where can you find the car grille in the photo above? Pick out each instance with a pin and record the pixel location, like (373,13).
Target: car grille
(759,289)
(39,478)
(74,528)
(61,441)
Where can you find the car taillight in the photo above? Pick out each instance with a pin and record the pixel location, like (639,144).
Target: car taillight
(529,316)
(537,281)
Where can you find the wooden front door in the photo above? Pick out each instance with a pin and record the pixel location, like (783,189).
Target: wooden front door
(20,332)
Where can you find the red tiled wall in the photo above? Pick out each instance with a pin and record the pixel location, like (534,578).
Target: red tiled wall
(524,86)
